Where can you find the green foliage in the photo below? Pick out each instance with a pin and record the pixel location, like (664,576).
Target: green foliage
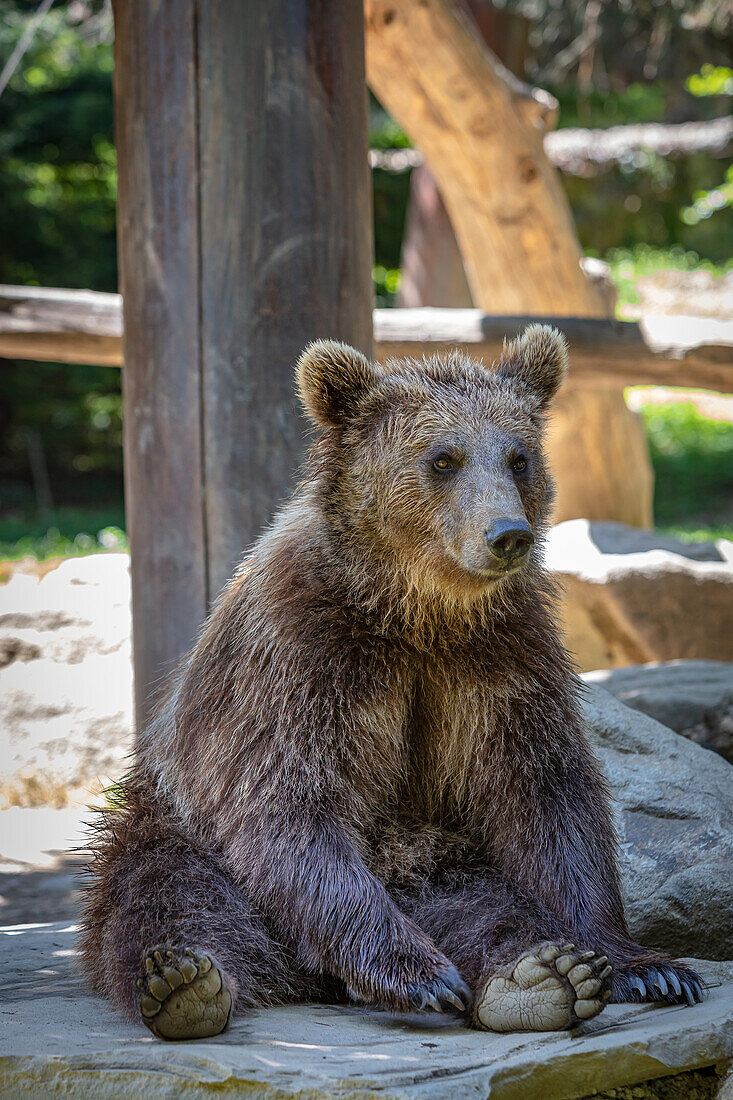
(707,203)
(692,457)
(386,284)
(67,532)
(632,63)
(58,175)
(635,104)
(607,47)
(384,132)
(390,194)
(711,80)
(58,185)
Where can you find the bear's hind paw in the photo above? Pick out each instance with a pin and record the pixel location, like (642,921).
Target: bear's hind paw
(182,995)
(550,988)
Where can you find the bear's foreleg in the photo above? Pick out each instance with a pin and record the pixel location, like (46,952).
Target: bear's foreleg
(170,938)
(516,954)
(305,873)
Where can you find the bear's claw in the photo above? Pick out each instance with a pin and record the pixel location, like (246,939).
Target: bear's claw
(665,983)
(447,993)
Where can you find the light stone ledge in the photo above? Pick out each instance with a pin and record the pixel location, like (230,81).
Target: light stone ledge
(58,1040)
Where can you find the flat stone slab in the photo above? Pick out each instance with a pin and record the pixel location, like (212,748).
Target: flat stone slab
(56,1039)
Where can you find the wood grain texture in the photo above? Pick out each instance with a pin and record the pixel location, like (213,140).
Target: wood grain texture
(286,234)
(62,326)
(660,350)
(663,351)
(433,73)
(156,131)
(245,232)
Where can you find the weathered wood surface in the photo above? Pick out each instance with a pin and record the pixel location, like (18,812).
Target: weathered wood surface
(582,152)
(242,237)
(62,326)
(156,133)
(428,65)
(664,351)
(661,350)
(431,263)
(286,239)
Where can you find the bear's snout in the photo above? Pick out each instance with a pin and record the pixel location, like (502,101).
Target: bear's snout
(509,541)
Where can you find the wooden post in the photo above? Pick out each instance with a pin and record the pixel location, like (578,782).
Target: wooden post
(245,232)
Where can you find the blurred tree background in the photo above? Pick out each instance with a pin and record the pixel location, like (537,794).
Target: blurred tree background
(608,63)
(60,425)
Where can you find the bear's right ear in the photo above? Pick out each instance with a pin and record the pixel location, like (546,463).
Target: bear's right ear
(538,361)
(333,379)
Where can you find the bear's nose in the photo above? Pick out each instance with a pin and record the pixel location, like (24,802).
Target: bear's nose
(509,539)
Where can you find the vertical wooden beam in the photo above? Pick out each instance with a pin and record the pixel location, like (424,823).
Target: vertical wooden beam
(244,193)
(286,237)
(156,131)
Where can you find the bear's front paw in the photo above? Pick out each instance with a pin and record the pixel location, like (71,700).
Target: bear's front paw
(414,985)
(445,993)
(665,982)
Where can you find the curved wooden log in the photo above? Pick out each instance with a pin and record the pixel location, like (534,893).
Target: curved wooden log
(430,69)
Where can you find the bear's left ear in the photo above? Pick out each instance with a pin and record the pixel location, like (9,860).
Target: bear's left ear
(333,379)
(538,359)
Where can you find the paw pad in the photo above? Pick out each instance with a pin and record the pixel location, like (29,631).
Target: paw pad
(550,988)
(182,995)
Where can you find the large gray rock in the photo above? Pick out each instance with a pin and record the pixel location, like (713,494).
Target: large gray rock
(675,821)
(694,698)
(633,596)
(58,1040)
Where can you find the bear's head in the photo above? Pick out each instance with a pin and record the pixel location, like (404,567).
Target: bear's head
(437,463)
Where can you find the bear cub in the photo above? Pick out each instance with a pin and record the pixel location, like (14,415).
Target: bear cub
(369,780)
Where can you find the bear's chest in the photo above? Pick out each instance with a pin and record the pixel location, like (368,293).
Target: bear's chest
(455,710)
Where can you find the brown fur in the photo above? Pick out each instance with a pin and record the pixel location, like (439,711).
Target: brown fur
(372,769)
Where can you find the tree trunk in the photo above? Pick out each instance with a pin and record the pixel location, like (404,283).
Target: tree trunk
(431,265)
(514,227)
(428,66)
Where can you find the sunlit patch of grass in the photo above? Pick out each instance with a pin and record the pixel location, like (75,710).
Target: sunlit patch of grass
(67,533)
(692,456)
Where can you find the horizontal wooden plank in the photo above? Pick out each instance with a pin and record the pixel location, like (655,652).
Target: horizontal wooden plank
(75,326)
(659,350)
(61,326)
(580,152)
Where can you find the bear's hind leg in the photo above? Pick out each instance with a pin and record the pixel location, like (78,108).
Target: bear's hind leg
(170,938)
(519,959)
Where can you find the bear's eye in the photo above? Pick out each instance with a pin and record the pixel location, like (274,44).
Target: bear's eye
(519,464)
(443,462)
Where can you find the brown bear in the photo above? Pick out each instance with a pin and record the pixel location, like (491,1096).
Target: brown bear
(370,778)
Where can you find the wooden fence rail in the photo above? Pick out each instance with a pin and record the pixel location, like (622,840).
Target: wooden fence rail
(580,152)
(81,326)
